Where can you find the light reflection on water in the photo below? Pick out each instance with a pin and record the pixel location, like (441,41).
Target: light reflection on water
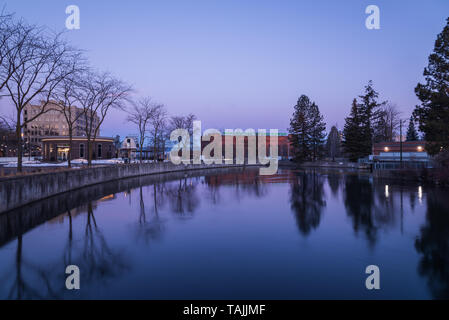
(231,234)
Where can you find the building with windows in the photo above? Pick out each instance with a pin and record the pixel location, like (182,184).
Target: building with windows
(390,154)
(128,148)
(52,123)
(56,148)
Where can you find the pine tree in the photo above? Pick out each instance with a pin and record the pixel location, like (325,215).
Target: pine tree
(433,113)
(370,119)
(333,143)
(317,132)
(412,135)
(352,142)
(300,130)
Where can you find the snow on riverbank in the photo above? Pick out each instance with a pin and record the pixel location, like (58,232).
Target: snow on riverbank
(12,163)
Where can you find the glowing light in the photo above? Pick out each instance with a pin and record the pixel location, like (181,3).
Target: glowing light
(386,149)
(420,194)
(386,191)
(419,148)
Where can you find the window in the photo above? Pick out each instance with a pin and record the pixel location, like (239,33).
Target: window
(99,151)
(81,150)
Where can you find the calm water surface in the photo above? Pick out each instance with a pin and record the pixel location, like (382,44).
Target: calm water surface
(231,235)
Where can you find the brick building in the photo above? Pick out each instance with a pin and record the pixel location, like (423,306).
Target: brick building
(57,148)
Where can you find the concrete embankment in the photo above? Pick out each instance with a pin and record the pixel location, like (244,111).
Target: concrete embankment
(18,221)
(324,164)
(21,190)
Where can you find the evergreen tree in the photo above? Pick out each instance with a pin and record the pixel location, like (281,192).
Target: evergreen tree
(317,132)
(352,142)
(300,128)
(371,119)
(333,144)
(380,130)
(412,135)
(433,113)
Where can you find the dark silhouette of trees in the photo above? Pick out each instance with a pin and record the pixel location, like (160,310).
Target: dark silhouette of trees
(365,125)
(412,135)
(433,113)
(307,130)
(333,144)
(352,144)
(307,200)
(433,244)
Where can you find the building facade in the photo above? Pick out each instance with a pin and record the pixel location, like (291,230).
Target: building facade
(390,154)
(128,148)
(52,123)
(56,148)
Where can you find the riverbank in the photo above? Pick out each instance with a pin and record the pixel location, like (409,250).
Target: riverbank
(426,176)
(323,164)
(16,191)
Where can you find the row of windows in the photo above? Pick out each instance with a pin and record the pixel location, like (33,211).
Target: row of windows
(99,150)
(82,150)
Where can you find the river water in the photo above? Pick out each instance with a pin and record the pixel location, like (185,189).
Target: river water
(231,234)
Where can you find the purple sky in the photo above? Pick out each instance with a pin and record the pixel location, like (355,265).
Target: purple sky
(244,63)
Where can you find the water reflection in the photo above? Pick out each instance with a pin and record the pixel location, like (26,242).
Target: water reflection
(433,244)
(135,232)
(150,227)
(307,200)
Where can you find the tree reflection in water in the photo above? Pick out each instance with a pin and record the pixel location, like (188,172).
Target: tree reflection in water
(366,205)
(150,226)
(182,197)
(371,206)
(30,281)
(307,200)
(98,261)
(433,244)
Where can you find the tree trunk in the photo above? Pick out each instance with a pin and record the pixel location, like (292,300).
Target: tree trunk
(155,146)
(19,144)
(89,152)
(69,156)
(141,147)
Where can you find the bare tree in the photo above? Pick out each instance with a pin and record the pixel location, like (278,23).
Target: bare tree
(65,97)
(141,115)
(38,64)
(158,124)
(392,118)
(387,122)
(181,122)
(98,93)
(10,40)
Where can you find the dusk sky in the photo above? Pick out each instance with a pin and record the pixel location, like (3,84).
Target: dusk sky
(243,64)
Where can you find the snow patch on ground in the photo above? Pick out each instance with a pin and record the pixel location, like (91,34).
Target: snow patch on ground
(12,163)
